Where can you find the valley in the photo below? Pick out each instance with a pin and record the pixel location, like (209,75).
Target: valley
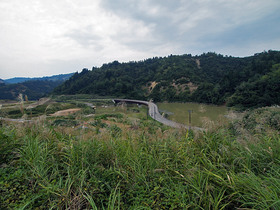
(185,132)
(98,153)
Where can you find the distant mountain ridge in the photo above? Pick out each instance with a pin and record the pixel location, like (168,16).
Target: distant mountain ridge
(53,78)
(252,81)
(33,88)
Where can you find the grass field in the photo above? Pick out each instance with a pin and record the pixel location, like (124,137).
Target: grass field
(116,158)
(202,115)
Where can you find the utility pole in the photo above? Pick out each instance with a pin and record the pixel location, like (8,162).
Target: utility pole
(190,117)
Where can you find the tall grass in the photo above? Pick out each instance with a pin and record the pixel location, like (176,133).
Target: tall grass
(149,167)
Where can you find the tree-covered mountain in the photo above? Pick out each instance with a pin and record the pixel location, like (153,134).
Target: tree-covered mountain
(60,77)
(263,91)
(207,78)
(34,88)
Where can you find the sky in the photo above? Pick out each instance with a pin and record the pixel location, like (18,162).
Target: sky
(49,37)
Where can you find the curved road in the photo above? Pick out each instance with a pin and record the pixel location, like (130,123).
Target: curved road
(154,113)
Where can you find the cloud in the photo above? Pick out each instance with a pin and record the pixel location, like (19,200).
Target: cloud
(190,25)
(50,37)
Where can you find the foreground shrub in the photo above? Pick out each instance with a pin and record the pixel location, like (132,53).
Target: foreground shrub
(150,167)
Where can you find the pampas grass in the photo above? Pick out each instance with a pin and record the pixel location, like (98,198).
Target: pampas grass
(148,167)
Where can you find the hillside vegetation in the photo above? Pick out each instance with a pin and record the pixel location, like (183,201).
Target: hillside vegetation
(53,78)
(33,88)
(119,159)
(209,78)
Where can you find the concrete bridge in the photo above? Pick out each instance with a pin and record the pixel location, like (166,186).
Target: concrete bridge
(154,113)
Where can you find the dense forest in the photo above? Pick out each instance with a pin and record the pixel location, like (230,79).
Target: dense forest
(33,88)
(208,78)
(54,78)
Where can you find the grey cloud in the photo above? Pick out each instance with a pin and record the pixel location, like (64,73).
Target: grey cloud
(259,32)
(63,36)
(197,24)
(86,38)
(156,15)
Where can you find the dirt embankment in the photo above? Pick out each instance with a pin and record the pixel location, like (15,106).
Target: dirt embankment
(65,112)
(40,102)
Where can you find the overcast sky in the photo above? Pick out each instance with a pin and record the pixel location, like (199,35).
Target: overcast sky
(47,37)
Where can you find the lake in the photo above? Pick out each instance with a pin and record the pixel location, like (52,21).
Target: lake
(202,115)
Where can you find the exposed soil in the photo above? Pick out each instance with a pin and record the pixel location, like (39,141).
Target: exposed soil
(198,63)
(152,86)
(192,87)
(40,102)
(65,112)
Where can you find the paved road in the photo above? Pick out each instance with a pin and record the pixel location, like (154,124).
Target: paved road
(41,101)
(154,113)
(15,120)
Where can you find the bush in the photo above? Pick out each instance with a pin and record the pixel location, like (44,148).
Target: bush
(115,130)
(64,122)
(261,119)
(98,123)
(152,167)
(106,116)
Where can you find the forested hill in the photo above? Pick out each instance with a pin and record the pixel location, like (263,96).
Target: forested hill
(33,88)
(54,78)
(209,78)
